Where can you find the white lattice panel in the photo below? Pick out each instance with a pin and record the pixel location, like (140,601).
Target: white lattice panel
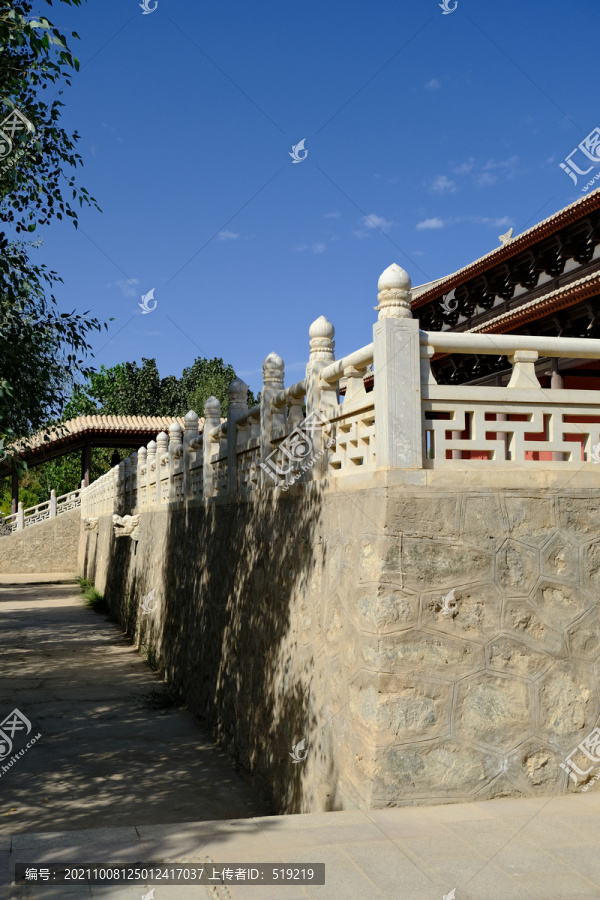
(178,486)
(164,485)
(532,434)
(248,459)
(354,442)
(220,471)
(196,482)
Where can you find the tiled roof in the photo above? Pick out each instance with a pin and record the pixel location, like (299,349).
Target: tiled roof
(515,245)
(554,300)
(150,425)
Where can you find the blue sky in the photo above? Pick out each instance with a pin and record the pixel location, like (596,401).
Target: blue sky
(445,130)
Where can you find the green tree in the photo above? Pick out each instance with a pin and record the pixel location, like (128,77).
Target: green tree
(41,349)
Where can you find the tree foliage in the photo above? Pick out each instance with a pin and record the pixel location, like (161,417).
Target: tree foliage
(131,390)
(42,350)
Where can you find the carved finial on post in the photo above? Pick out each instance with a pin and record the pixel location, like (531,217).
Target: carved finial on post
(394,294)
(322,344)
(273,382)
(212,418)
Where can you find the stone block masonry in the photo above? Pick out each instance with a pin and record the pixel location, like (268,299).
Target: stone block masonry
(320,615)
(420,608)
(49,546)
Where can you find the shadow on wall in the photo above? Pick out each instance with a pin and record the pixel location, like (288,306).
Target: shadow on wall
(236,629)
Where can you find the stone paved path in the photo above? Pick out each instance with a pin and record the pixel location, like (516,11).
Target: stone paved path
(110,782)
(496,850)
(103,758)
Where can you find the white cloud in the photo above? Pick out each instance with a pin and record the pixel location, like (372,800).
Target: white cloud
(432,85)
(491,222)
(442,184)
(299,247)
(374,221)
(484,179)
(465,167)
(332,215)
(319,247)
(127,286)
(227,236)
(426,224)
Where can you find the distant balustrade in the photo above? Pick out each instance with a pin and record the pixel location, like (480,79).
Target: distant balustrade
(24,518)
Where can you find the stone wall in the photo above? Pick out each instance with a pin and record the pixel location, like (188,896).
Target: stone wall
(49,546)
(328,617)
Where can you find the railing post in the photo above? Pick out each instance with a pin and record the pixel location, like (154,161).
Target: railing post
(162,449)
(212,418)
(52,503)
(121,477)
(319,395)
(190,435)
(142,477)
(20,517)
(175,454)
(152,474)
(397,388)
(273,369)
(133,480)
(238,405)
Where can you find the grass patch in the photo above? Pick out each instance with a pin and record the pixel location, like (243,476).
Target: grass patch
(93,598)
(152,659)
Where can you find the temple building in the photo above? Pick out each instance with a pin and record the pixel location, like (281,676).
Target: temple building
(545,281)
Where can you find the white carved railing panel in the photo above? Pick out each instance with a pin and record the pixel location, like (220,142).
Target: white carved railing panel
(248,460)
(196,480)
(504,432)
(220,474)
(178,486)
(34,514)
(354,435)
